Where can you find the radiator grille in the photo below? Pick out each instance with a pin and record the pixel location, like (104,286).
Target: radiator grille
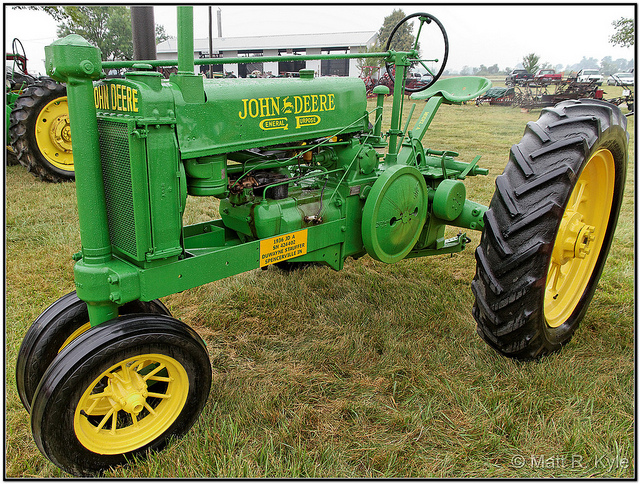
(116,173)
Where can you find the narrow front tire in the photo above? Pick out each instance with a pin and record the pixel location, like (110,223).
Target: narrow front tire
(125,388)
(58,325)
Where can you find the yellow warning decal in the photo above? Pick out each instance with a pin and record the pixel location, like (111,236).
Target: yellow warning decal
(283,247)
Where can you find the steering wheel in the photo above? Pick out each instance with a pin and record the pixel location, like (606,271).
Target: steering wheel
(428,19)
(19,58)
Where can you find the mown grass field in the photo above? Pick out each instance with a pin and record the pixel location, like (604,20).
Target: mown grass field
(374,371)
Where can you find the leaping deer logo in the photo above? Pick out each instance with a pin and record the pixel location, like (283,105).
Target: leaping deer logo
(287,106)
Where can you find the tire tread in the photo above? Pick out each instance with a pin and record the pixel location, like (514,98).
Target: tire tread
(523,219)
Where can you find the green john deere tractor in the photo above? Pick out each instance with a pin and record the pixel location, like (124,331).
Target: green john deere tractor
(304,174)
(37,116)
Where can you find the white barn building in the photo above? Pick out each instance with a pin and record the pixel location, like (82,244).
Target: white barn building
(259,46)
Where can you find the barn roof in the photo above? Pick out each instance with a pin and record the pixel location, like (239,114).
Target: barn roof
(288,41)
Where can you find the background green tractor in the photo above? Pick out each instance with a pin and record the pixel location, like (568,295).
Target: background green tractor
(37,115)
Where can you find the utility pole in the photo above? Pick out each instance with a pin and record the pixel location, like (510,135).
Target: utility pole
(210,42)
(219,15)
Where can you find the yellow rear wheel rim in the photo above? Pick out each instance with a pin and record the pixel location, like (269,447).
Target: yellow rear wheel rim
(580,238)
(53,134)
(131,404)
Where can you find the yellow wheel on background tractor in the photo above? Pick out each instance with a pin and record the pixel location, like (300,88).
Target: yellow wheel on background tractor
(122,389)
(53,134)
(40,132)
(549,228)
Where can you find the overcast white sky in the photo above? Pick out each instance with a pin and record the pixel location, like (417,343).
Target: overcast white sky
(478,34)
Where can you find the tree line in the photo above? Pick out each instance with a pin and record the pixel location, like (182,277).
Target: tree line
(106,27)
(624,36)
(607,66)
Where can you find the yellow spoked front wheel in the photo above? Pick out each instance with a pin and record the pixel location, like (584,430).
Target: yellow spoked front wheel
(580,237)
(121,389)
(55,329)
(131,404)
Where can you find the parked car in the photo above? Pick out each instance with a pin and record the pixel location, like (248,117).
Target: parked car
(547,75)
(518,76)
(621,79)
(590,75)
(416,80)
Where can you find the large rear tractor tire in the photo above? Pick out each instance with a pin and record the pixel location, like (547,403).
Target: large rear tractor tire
(12,159)
(549,228)
(40,133)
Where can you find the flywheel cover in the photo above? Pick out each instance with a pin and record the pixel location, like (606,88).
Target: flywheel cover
(394,213)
